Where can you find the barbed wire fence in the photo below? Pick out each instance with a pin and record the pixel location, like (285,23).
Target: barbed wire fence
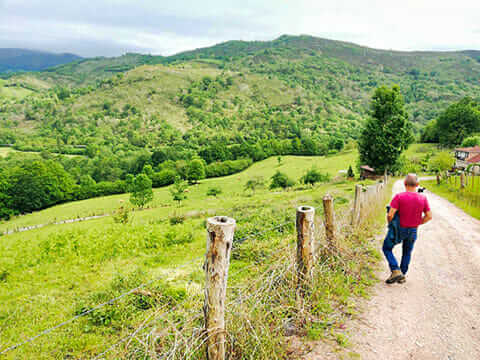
(281,275)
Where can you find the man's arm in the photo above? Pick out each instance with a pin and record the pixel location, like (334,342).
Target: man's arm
(428,213)
(391,214)
(427,217)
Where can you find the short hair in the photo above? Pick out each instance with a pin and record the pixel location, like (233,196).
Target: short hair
(411,180)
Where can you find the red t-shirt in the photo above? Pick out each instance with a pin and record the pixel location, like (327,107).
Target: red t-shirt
(410,206)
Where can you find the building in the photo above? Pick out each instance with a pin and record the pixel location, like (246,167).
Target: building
(368,173)
(464,157)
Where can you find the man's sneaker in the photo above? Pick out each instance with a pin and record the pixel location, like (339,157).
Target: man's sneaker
(396,276)
(402,279)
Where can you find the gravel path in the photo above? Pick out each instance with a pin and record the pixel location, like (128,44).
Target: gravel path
(435,315)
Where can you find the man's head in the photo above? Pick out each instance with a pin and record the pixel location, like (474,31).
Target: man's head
(411,181)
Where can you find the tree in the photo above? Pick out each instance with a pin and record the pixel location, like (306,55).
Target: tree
(148,170)
(5,210)
(441,161)
(350,172)
(281,180)
(142,192)
(459,121)
(195,171)
(313,176)
(178,190)
(35,185)
(471,141)
(430,132)
(387,132)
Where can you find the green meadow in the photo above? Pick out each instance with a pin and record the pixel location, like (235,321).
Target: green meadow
(50,274)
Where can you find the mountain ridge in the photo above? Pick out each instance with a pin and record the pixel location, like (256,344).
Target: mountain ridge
(18,59)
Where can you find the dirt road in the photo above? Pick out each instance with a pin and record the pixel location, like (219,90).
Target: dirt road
(435,315)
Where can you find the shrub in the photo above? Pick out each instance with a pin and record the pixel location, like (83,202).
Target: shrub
(350,172)
(281,180)
(227,167)
(471,141)
(175,238)
(122,214)
(254,183)
(163,178)
(441,161)
(313,176)
(177,219)
(214,191)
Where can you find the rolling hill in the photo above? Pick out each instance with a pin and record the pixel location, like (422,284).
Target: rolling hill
(290,95)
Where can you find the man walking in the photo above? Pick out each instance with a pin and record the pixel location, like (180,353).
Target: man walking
(413,211)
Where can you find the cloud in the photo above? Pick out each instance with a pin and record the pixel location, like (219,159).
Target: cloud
(112,27)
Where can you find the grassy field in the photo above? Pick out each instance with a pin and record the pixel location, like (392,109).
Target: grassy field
(5,151)
(16,92)
(49,274)
(416,150)
(293,166)
(467,199)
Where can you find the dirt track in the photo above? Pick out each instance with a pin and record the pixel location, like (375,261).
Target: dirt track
(435,315)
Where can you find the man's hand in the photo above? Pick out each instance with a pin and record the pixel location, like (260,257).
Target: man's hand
(391,214)
(428,216)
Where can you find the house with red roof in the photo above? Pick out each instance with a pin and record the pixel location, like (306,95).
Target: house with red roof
(465,157)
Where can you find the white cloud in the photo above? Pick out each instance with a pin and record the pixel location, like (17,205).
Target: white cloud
(111,27)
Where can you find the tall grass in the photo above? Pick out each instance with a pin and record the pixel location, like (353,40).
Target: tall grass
(467,198)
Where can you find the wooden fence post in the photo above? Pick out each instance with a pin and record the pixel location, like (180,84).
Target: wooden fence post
(329,219)
(462,180)
(356,205)
(305,243)
(438,179)
(220,230)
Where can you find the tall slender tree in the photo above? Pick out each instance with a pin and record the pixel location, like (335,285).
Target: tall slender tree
(387,132)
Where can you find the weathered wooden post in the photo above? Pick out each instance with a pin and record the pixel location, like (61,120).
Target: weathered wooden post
(462,180)
(220,230)
(356,205)
(305,243)
(329,219)
(385,177)
(438,179)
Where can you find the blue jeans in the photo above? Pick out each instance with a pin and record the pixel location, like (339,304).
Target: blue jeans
(407,237)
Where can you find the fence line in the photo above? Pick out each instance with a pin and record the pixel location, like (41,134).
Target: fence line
(221,243)
(121,296)
(466,186)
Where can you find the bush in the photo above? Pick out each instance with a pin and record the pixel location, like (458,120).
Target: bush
(254,183)
(122,214)
(281,180)
(313,176)
(177,219)
(350,172)
(104,188)
(214,191)
(227,167)
(441,161)
(471,141)
(175,238)
(163,178)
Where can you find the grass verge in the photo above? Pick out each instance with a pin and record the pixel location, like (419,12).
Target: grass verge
(464,199)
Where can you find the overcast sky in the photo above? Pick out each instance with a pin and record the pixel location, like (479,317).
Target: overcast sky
(113,27)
